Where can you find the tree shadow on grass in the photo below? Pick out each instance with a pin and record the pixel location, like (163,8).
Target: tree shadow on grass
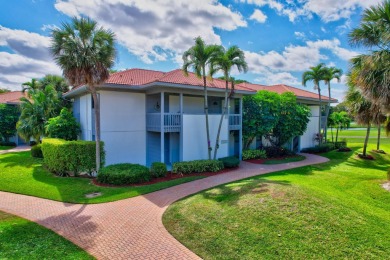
(231,193)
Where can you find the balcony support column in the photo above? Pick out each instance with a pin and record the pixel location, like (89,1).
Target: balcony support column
(162,129)
(181,128)
(240,133)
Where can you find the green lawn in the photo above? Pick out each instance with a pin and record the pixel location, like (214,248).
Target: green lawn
(332,210)
(22,239)
(20,173)
(296,158)
(2,147)
(358,133)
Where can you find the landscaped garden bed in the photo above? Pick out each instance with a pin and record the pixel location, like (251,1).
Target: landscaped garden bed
(278,160)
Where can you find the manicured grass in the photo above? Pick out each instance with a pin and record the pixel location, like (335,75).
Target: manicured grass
(20,173)
(358,133)
(22,239)
(331,210)
(2,147)
(296,158)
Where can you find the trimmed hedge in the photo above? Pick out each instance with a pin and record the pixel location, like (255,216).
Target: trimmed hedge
(197,166)
(124,173)
(319,148)
(253,154)
(4,143)
(230,161)
(158,169)
(36,151)
(275,151)
(338,145)
(62,157)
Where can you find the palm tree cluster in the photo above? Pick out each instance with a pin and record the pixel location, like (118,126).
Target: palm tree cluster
(215,58)
(369,85)
(43,100)
(316,75)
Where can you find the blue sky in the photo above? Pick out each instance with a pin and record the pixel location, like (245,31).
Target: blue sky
(281,39)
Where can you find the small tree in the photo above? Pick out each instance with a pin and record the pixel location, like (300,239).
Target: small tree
(63,126)
(293,120)
(260,115)
(9,115)
(339,120)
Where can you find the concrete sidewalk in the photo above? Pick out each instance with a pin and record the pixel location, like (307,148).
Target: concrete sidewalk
(130,228)
(20,148)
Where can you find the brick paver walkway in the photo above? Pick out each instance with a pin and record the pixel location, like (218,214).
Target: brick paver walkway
(130,228)
(20,148)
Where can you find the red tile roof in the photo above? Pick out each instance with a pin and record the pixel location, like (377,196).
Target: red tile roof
(11,97)
(281,88)
(142,77)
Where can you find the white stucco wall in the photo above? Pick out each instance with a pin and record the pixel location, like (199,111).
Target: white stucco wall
(86,117)
(307,139)
(174,104)
(195,138)
(123,127)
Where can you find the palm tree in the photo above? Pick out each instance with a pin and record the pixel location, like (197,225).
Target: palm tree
(315,74)
(35,111)
(225,61)
(373,33)
(378,118)
(359,106)
(198,57)
(31,85)
(330,74)
(58,82)
(85,53)
(340,120)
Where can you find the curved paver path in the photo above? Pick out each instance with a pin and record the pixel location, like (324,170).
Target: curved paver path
(130,228)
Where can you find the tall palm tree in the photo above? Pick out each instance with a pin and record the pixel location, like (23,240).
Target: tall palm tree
(315,74)
(198,57)
(374,33)
(85,53)
(330,74)
(225,61)
(359,106)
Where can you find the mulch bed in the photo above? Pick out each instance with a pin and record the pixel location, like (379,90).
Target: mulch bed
(170,176)
(367,157)
(261,161)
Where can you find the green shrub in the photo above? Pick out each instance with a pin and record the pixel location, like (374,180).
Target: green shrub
(4,143)
(197,166)
(337,145)
(230,162)
(63,126)
(253,154)
(276,151)
(158,169)
(124,173)
(323,148)
(36,151)
(62,157)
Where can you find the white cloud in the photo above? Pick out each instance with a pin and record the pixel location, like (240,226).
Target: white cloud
(31,57)
(276,67)
(274,78)
(327,10)
(154,30)
(300,35)
(259,16)
(49,27)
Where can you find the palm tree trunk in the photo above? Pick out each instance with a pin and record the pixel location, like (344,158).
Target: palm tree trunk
(337,133)
(206,112)
(96,102)
(331,130)
(327,114)
(221,120)
(366,140)
(379,136)
(319,116)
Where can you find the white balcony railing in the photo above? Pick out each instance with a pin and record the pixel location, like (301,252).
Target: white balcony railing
(172,122)
(234,121)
